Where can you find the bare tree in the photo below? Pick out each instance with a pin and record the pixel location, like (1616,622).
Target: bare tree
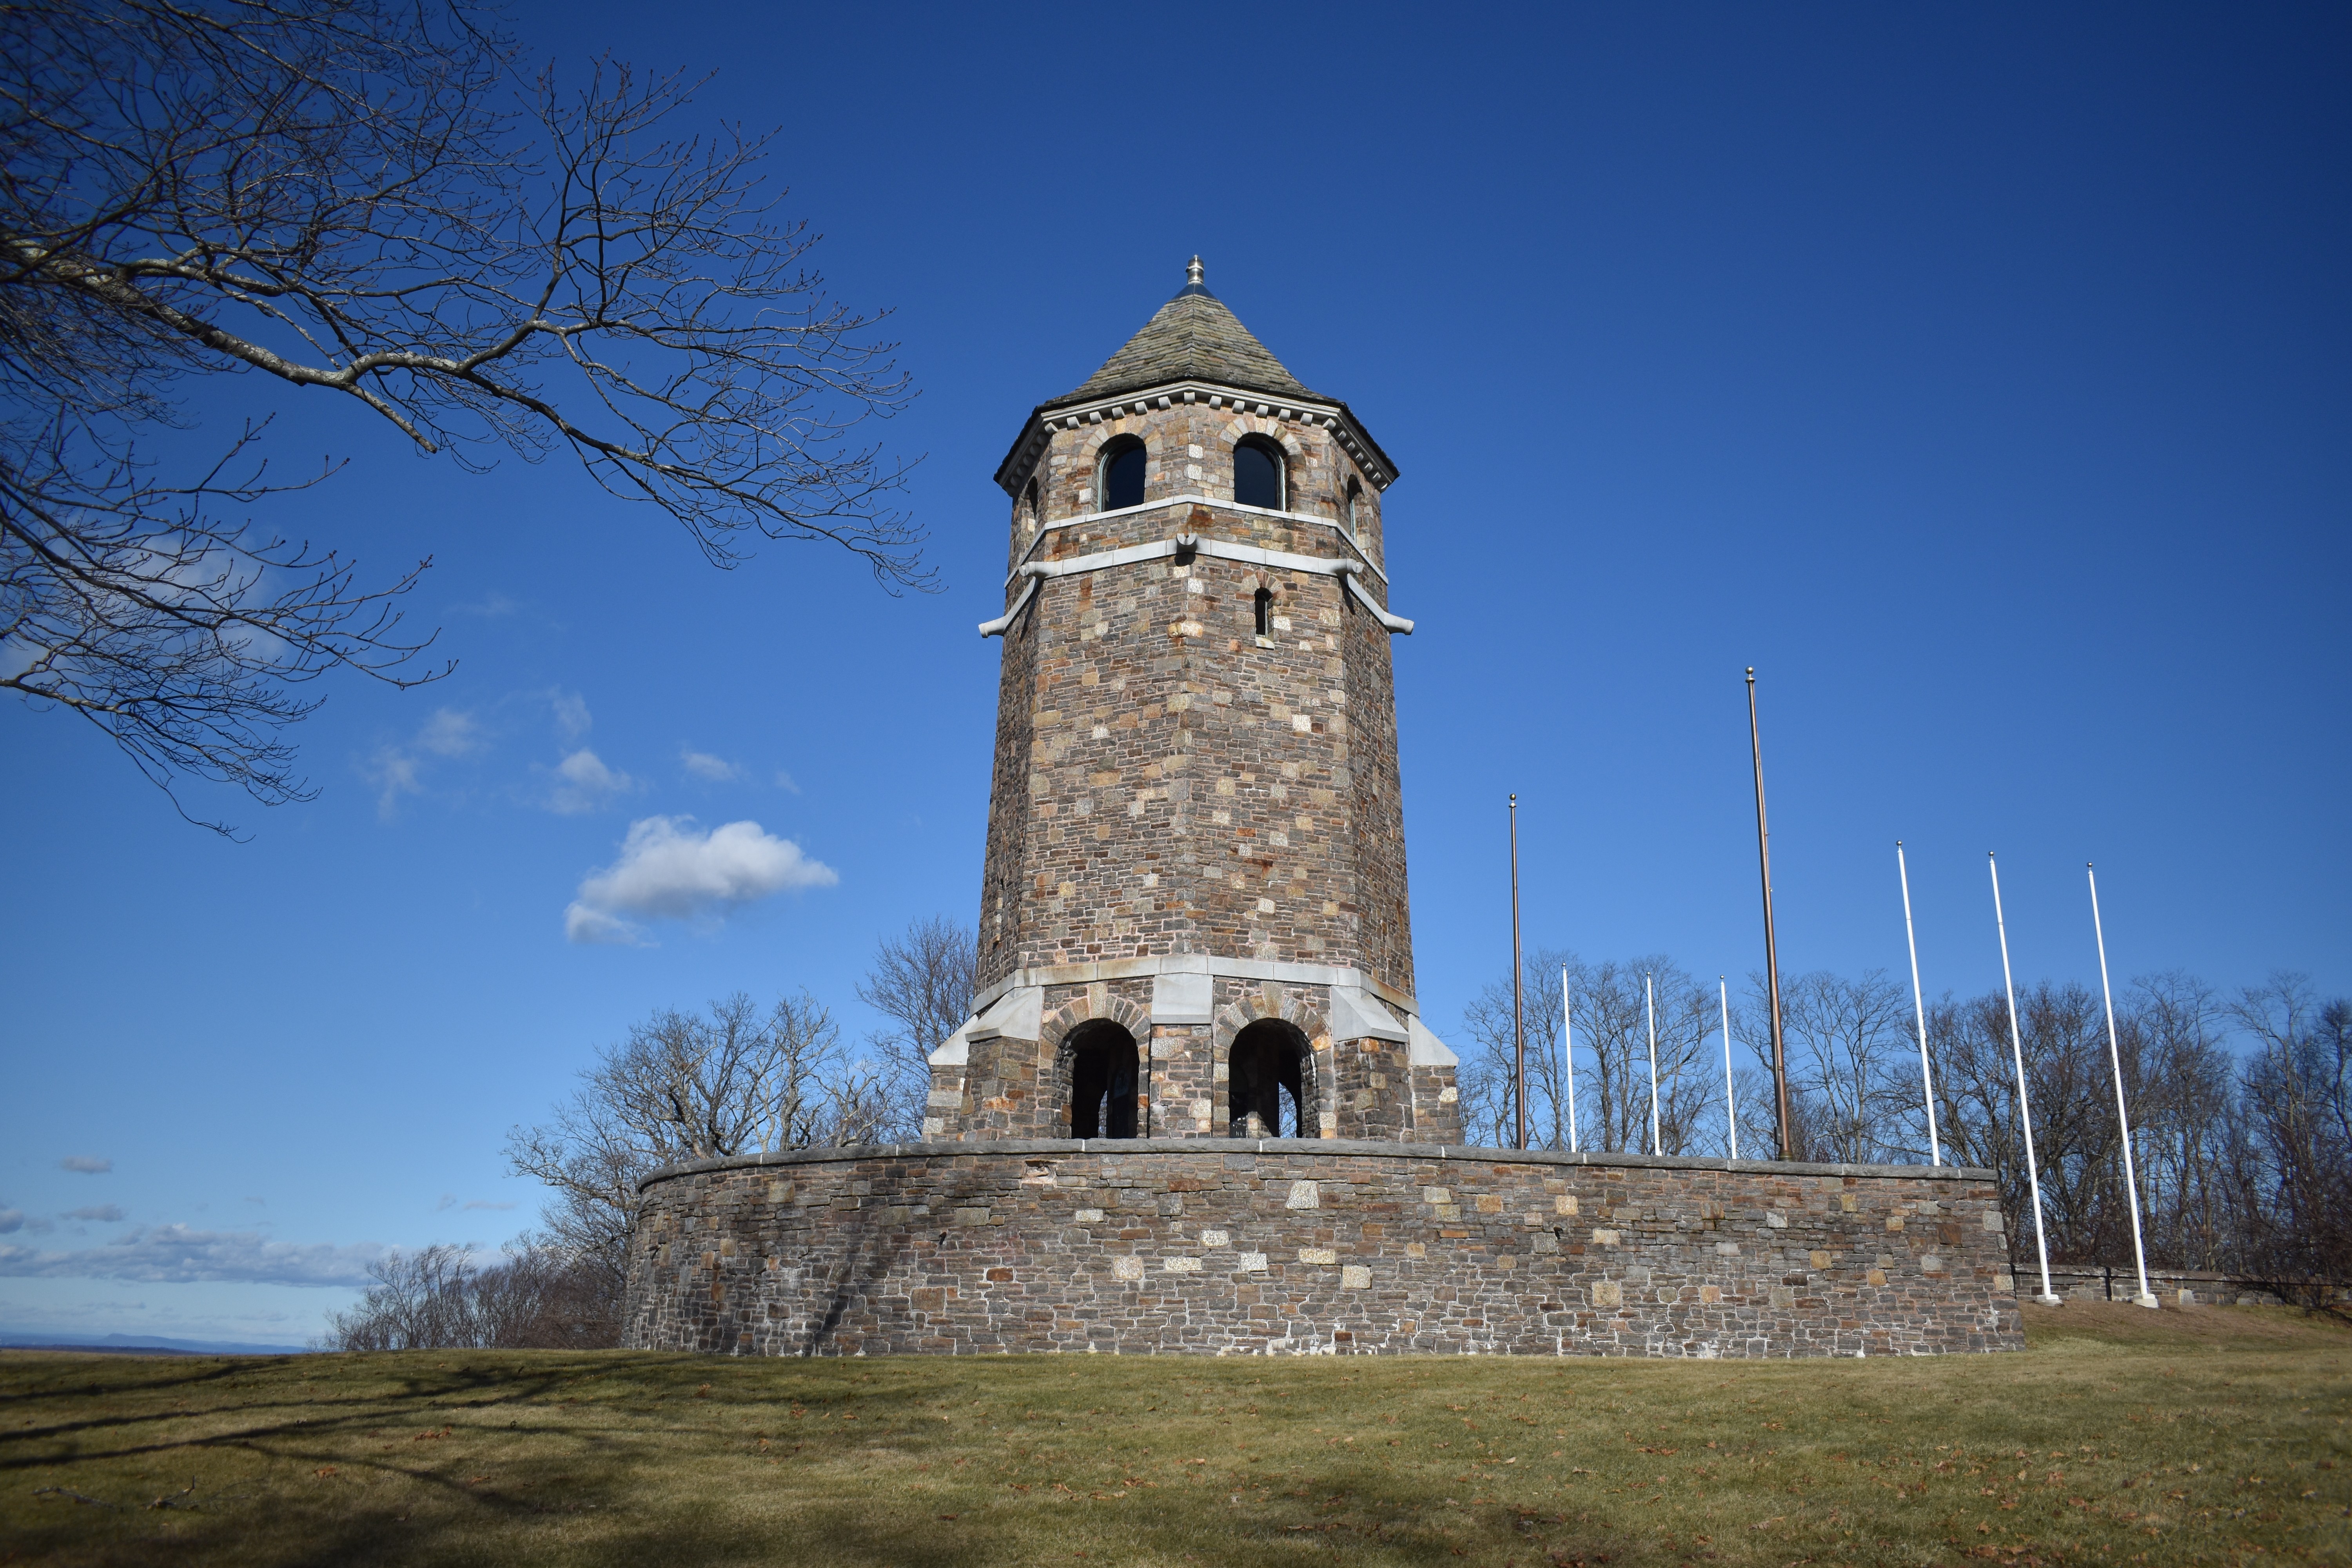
(2298,1093)
(2190,1137)
(922,981)
(538,1297)
(361,198)
(1487,1078)
(1607,1009)
(1845,1041)
(687,1087)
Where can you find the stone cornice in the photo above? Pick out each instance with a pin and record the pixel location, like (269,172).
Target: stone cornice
(1333,1148)
(1336,418)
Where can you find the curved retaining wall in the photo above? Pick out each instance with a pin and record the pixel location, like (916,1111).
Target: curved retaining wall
(1218,1247)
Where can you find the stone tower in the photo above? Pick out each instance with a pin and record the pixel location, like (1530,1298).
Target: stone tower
(1193,919)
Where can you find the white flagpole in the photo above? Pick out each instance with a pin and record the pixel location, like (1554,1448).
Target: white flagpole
(1730,1099)
(1567,1036)
(2123,1118)
(1918,1006)
(1650,1005)
(2048,1298)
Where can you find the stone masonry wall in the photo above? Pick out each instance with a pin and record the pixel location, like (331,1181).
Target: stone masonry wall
(1167,780)
(1290,1246)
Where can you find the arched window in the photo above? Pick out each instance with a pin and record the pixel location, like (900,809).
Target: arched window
(1355,496)
(1121,475)
(1264,611)
(1258,473)
(1102,1081)
(1267,1081)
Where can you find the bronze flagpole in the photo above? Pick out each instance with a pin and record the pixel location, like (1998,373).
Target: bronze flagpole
(1771,945)
(1519,1020)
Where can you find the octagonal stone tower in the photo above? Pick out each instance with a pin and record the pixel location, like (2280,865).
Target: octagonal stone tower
(1193,918)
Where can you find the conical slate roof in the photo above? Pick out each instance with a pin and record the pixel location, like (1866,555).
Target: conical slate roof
(1193,338)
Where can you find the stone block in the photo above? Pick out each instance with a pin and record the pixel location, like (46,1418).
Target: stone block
(1183,998)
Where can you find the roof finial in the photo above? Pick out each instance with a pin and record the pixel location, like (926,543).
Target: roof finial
(1193,271)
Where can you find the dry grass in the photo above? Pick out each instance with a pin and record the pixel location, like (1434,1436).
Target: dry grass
(2123,1436)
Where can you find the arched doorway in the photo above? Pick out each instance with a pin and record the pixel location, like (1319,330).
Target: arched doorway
(1267,1082)
(1102,1081)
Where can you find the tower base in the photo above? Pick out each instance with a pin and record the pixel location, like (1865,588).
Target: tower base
(1224,1246)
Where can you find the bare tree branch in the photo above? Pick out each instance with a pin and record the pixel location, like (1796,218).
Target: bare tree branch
(361,198)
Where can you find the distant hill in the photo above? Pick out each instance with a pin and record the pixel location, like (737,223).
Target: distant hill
(142,1345)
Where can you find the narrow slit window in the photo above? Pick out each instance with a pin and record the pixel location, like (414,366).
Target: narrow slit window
(1264,611)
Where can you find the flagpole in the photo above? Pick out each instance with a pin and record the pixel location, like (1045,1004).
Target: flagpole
(1519,1016)
(1649,1004)
(2048,1298)
(1730,1098)
(1772,944)
(1567,1035)
(1918,1006)
(2123,1118)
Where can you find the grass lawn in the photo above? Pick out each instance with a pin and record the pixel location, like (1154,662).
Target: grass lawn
(2212,1435)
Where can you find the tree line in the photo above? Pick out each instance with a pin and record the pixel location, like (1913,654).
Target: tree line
(733,1079)
(2241,1103)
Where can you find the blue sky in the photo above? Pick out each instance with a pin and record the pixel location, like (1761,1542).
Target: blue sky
(1980,377)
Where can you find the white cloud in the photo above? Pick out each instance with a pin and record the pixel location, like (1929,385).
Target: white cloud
(668,870)
(587,783)
(450,732)
(88,1164)
(398,770)
(572,715)
(11,1220)
(591,927)
(107,1212)
(174,1253)
(490,606)
(394,772)
(703,765)
(785,781)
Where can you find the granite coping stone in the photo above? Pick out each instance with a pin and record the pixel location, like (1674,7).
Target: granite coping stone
(1333,1147)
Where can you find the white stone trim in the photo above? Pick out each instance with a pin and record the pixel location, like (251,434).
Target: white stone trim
(955,1051)
(1426,1050)
(1388,621)
(1183,998)
(1341,566)
(1003,623)
(1354,1015)
(1190,500)
(1194,963)
(1023,1016)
